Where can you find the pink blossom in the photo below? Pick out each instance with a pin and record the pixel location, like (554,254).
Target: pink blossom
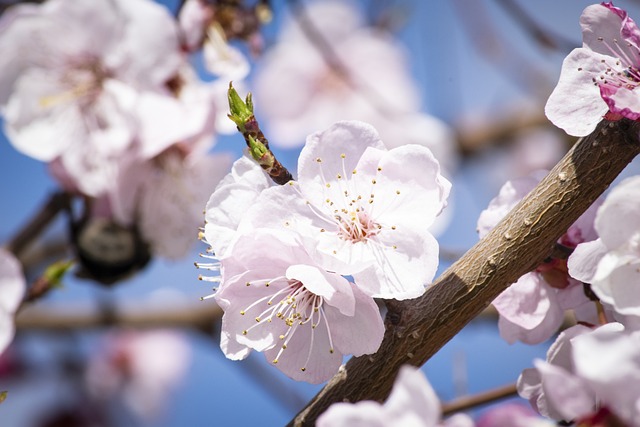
(512,415)
(164,197)
(365,210)
(412,402)
(79,100)
(551,387)
(279,301)
(141,368)
(589,375)
(532,309)
(193,20)
(611,263)
(599,79)
(12,289)
(301,91)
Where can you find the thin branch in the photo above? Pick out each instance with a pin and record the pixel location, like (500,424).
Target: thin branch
(496,48)
(36,225)
(470,402)
(543,36)
(475,139)
(200,315)
(417,329)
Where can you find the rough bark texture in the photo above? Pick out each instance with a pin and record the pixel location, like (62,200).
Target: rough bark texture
(417,329)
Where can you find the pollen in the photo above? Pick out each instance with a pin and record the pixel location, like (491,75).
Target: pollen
(342,156)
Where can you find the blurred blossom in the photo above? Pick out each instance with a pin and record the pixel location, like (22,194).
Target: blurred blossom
(208,26)
(532,309)
(165,197)
(71,92)
(412,403)
(512,415)
(120,116)
(535,149)
(141,368)
(301,91)
(600,78)
(12,289)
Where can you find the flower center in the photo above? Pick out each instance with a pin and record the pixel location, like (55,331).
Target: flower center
(357,226)
(293,304)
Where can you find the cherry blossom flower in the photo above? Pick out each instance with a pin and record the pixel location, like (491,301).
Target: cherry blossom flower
(278,301)
(75,94)
(599,79)
(532,309)
(12,289)
(80,88)
(412,402)
(610,264)
(301,92)
(141,368)
(589,375)
(365,210)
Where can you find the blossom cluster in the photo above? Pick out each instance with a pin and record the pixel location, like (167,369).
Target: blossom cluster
(302,263)
(117,111)
(592,370)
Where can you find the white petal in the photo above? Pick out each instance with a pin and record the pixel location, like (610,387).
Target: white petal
(583,262)
(575,104)
(363,332)
(412,399)
(348,138)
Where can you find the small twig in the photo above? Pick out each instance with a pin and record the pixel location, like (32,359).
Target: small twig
(36,225)
(543,36)
(498,50)
(489,396)
(242,115)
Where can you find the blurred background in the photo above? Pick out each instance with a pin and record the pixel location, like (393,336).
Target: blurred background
(484,68)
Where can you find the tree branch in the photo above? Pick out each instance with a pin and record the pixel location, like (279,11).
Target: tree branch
(200,316)
(36,225)
(469,402)
(417,329)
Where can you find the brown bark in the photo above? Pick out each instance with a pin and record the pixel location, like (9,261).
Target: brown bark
(417,329)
